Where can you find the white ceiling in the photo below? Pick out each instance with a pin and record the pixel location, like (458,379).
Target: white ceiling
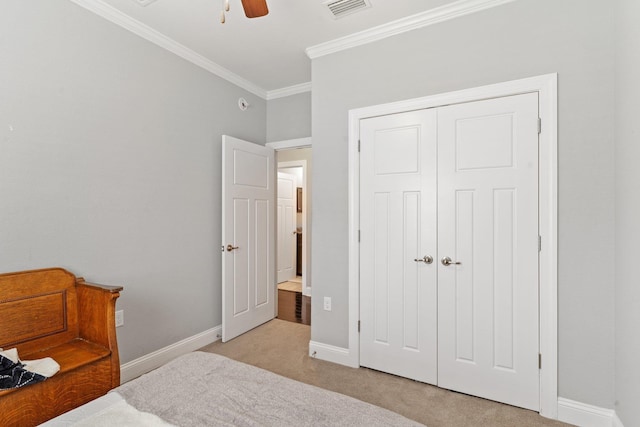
(268,52)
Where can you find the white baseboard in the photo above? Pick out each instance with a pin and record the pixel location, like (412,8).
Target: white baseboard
(584,415)
(151,361)
(330,353)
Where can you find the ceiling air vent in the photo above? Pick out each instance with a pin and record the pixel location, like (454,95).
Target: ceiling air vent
(340,8)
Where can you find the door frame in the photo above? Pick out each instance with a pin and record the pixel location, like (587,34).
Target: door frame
(547,88)
(290,144)
(277,230)
(306,290)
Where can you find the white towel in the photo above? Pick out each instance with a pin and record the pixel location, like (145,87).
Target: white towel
(46,367)
(11,354)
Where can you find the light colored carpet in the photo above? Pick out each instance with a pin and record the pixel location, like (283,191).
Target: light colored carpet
(281,347)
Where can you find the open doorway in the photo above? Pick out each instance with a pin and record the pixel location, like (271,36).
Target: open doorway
(293,226)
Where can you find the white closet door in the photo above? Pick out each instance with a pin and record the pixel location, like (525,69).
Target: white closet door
(488,223)
(398,300)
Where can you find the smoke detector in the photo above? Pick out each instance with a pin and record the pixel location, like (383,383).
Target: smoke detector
(341,8)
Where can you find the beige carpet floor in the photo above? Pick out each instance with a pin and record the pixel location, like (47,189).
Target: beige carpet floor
(281,347)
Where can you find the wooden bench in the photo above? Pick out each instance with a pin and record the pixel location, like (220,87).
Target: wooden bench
(51,313)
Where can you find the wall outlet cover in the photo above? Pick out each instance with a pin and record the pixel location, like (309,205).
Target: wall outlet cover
(119,318)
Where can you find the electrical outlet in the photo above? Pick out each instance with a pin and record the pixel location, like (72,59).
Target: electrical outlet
(119,318)
(327,303)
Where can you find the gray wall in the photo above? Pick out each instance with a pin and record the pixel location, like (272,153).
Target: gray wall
(526,38)
(110,165)
(627,211)
(289,117)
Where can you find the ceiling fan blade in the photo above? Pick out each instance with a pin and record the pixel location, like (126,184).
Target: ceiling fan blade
(255,8)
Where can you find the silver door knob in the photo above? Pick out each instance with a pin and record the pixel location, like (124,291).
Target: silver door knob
(447,261)
(427,259)
(231,247)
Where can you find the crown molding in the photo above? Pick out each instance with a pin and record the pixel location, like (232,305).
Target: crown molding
(403,25)
(114,15)
(430,17)
(288,91)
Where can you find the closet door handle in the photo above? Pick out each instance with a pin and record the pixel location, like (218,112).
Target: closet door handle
(447,261)
(427,259)
(231,247)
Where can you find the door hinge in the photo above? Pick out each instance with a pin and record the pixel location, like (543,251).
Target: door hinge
(539,361)
(358,146)
(539,243)
(539,125)
(358,326)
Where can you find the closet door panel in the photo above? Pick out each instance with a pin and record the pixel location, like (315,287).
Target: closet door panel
(488,227)
(398,300)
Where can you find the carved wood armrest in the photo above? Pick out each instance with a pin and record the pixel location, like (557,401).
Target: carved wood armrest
(96,318)
(106,288)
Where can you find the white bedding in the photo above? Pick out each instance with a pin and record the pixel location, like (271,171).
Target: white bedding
(109,410)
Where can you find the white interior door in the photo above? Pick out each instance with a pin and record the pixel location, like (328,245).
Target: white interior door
(398,299)
(248,238)
(488,222)
(286,229)
(460,184)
